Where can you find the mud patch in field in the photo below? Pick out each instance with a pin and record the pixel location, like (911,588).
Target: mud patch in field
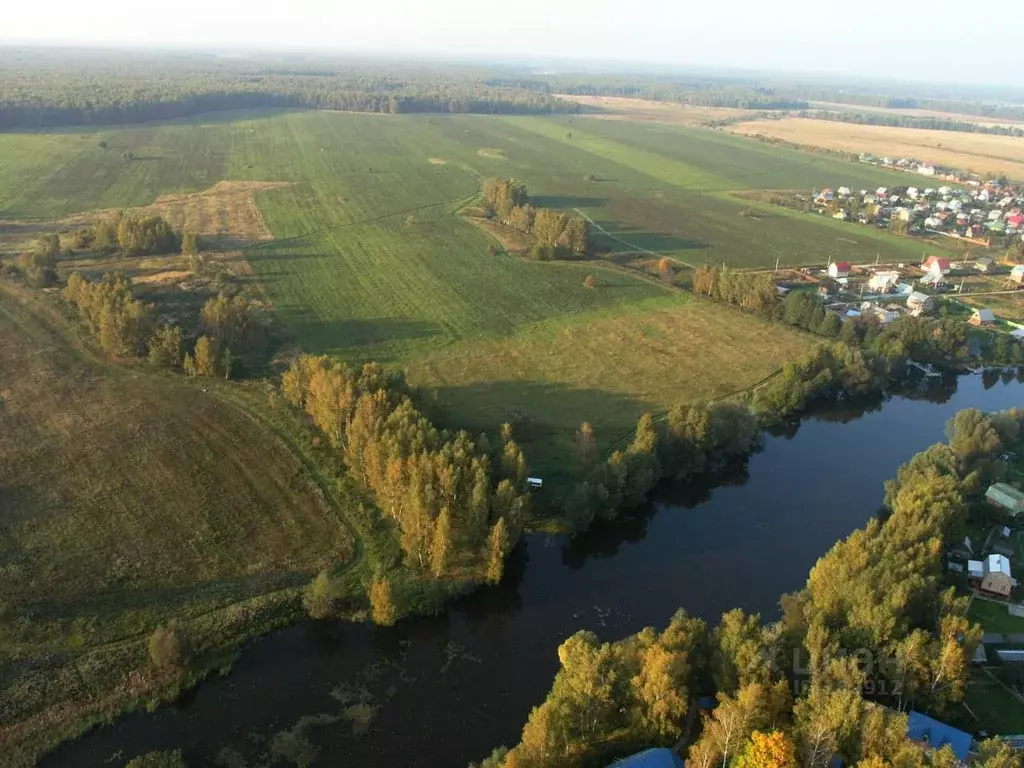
(437,161)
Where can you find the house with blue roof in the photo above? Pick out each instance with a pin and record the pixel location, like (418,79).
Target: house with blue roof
(935,735)
(650,758)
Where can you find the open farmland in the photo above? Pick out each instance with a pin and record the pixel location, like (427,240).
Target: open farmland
(355,239)
(980,153)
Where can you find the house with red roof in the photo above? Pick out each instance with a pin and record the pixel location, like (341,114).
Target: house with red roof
(936,264)
(839,269)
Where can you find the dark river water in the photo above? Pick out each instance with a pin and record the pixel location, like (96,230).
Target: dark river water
(444,691)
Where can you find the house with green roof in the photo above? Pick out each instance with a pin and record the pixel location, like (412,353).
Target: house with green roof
(1005,497)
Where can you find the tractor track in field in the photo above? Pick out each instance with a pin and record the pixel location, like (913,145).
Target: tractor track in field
(631,246)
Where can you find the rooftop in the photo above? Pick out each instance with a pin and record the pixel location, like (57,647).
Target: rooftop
(936,734)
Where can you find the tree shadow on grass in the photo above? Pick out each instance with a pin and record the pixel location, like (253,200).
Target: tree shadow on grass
(356,338)
(567,201)
(638,238)
(544,417)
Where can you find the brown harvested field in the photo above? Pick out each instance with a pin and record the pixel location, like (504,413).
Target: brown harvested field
(617,108)
(979,119)
(227,208)
(980,153)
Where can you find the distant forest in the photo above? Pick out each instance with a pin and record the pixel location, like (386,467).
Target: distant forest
(42,88)
(913,121)
(50,88)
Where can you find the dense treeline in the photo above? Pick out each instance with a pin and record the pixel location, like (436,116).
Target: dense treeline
(456,509)
(125,326)
(939,340)
(131,233)
(872,634)
(897,120)
(696,93)
(693,439)
(121,323)
(66,88)
(957,106)
(557,233)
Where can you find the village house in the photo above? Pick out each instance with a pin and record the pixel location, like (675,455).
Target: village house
(843,191)
(984,264)
(982,317)
(976,569)
(1005,497)
(880,313)
(884,282)
(926,170)
(839,269)
(997,579)
(1017,274)
(943,264)
(934,734)
(920,303)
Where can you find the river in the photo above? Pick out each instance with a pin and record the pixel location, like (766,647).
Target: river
(444,691)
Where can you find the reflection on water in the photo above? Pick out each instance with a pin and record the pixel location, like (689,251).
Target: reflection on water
(444,690)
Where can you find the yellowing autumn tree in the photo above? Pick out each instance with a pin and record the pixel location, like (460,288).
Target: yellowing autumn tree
(773,749)
(382,603)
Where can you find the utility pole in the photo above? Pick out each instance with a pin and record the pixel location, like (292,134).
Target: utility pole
(777,263)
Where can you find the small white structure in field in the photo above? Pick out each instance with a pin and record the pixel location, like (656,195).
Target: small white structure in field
(534,482)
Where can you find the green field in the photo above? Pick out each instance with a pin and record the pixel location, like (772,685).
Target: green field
(370,261)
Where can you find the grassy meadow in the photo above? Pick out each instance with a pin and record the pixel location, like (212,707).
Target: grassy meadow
(363,255)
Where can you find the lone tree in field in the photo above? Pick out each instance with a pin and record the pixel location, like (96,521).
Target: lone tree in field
(169,648)
(590,282)
(665,269)
(318,597)
(382,603)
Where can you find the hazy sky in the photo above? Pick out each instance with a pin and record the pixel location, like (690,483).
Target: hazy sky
(938,40)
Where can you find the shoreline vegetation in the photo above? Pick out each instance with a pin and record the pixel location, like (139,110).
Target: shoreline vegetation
(876,632)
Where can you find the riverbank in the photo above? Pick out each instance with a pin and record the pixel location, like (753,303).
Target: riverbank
(469,676)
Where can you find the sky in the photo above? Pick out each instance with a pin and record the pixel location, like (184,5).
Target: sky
(935,42)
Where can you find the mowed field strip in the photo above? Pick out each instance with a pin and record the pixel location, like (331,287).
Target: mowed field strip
(981,153)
